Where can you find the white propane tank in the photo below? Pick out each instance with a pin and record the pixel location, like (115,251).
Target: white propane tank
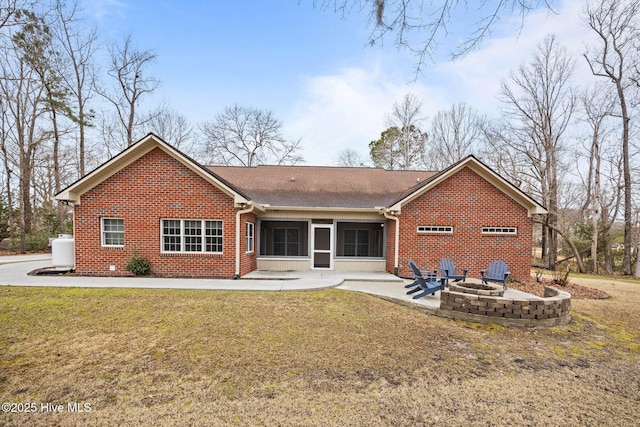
(63,252)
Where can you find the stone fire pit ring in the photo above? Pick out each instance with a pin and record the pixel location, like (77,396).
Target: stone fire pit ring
(483,289)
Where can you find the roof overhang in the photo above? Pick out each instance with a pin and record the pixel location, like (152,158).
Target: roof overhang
(320,209)
(533,207)
(73,193)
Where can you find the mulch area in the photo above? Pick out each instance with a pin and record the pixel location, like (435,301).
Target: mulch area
(576,291)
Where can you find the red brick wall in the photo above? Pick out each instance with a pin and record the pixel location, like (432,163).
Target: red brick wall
(467,202)
(391,245)
(155,187)
(248,260)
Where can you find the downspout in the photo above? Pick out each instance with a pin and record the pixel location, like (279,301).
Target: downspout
(239,238)
(397,241)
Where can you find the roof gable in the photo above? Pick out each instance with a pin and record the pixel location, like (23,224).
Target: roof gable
(304,187)
(136,151)
(483,171)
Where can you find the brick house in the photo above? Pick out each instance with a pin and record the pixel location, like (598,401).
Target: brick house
(192,220)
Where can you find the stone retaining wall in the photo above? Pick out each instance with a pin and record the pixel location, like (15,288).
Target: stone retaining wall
(551,310)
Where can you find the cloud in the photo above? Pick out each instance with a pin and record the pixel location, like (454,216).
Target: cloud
(475,79)
(347,110)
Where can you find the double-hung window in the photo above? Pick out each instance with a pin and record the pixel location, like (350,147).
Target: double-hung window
(250,237)
(112,232)
(188,235)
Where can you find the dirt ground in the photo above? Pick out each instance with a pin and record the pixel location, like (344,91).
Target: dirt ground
(334,358)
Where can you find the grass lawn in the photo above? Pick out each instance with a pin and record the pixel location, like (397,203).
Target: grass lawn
(174,357)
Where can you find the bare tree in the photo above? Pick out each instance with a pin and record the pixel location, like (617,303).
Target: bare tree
(616,24)
(420,26)
(79,47)
(35,43)
(350,158)
(455,133)
(597,107)
(14,13)
(22,90)
(403,144)
(128,69)
(5,125)
(539,101)
(247,137)
(398,149)
(406,115)
(171,126)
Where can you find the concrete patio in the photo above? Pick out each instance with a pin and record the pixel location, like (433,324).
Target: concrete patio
(14,271)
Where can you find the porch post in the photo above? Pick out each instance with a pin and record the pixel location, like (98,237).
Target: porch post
(391,215)
(239,237)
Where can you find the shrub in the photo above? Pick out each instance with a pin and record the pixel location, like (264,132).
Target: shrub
(37,241)
(561,278)
(138,264)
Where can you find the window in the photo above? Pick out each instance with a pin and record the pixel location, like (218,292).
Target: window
(171,235)
(356,242)
(284,238)
(213,236)
(360,239)
(250,237)
(286,241)
(499,230)
(182,235)
(112,232)
(435,229)
(193,236)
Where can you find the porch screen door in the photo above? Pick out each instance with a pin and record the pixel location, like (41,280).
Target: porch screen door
(322,253)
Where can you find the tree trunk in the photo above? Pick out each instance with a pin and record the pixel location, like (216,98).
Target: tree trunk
(638,255)
(575,251)
(596,205)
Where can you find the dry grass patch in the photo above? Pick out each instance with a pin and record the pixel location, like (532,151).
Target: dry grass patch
(170,357)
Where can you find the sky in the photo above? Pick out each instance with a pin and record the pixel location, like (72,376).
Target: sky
(314,68)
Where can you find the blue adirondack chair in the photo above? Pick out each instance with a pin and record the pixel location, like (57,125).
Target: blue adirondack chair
(428,285)
(497,271)
(448,271)
(425,273)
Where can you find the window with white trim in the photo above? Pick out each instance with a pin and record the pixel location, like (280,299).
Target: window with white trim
(188,235)
(250,237)
(112,231)
(435,229)
(500,230)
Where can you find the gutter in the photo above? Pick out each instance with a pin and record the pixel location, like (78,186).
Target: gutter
(391,215)
(238,238)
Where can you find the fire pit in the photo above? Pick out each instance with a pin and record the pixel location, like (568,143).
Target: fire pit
(477,289)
